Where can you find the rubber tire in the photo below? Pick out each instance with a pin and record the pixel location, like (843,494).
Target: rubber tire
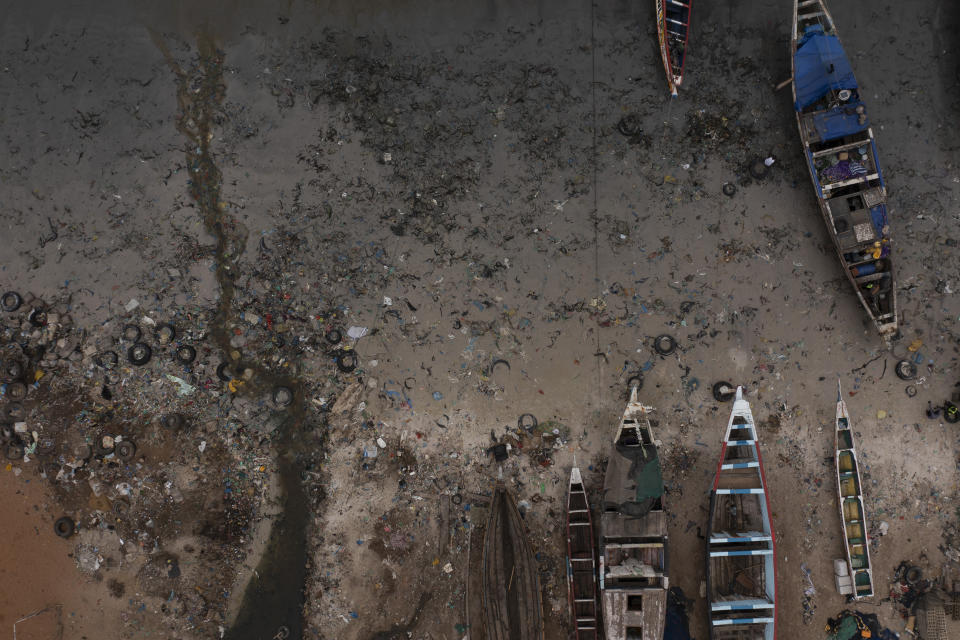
(630,382)
(14,370)
(99,450)
(952,418)
(146,353)
(186,354)
(131,333)
(14,451)
(223,373)
(15,411)
(347,361)
(721,397)
(11,301)
(758,169)
(629,126)
(16,391)
(913,575)
(64,527)
(165,334)
(905,370)
(282,397)
(664,351)
(911,391)
(521,425)
(37,317)
(729,189)
(333,336)
(121,508)
(125,450)
(107,360)
(46,446)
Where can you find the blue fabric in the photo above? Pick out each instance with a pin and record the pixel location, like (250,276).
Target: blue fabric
(878,215)
(812,67)
(839,122)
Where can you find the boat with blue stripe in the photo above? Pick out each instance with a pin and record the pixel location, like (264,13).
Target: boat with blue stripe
(741,549)
(841,156)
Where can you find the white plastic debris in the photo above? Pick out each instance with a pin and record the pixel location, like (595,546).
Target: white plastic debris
(184,387)
(381,443)
(133,304)
(769,161)
(203,446)
(387,301)
(357,332)
(252,318)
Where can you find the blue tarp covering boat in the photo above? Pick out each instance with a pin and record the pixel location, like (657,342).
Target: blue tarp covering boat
(820,65)
(840,121)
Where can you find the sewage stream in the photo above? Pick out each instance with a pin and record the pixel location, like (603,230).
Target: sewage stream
(273,600)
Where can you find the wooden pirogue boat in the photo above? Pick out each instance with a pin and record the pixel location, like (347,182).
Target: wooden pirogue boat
(511,587)
(841,155)
(673,30)
(633,532)
(741,553)
(581,561)
(852,514)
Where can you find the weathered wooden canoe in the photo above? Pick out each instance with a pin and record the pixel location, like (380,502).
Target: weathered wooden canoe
(581,561)
(741,553)
(841,155)
(673,30)
(852,514)
(633,532)
(511,587)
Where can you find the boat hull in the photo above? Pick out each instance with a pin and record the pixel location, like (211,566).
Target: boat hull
(510,585)
(841,157)
(740,545)
(853,518)
(673,31)
(581,561)
(633,533)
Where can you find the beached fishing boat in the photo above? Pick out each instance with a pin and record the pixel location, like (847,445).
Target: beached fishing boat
(852,514)
(510,586)
(673,29)
(741,553)
(841,155)
(581,561)
(633,532)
